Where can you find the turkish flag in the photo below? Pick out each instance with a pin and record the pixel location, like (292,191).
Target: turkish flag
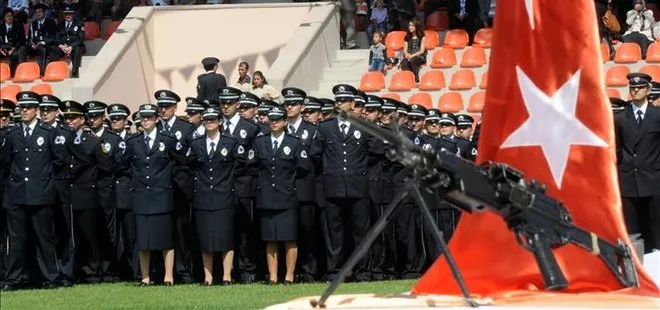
(546,114)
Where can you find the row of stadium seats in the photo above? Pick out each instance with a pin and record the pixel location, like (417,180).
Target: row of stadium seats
(92,30)
(628,53)
(431,80)
(28,72)
(457,39)
(10,91)
(616,76)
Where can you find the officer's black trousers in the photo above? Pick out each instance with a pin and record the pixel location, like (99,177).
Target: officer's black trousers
(345,218)
(108,233)
(446,219)
(307,241)
(127,254)
(407,236)
(183,239)
(36,221)
(56,53)
(86,242)
(247,250)
(642,216)
(383,251)
(66,249)
(3,241)
(41,52)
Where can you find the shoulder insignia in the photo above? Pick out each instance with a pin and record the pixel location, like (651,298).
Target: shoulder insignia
(42,126)
(292,136)
(327,120)
(133,136)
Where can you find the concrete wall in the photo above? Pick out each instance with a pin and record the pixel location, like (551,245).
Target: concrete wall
(161,48)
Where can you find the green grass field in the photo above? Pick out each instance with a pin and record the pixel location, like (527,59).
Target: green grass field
(128,295)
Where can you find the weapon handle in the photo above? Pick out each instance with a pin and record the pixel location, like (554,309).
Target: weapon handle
(552,274)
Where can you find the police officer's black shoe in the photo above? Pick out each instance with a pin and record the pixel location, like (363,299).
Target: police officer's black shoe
(9,288)
(64,283)
(248,278)
(49,285)
(226,283)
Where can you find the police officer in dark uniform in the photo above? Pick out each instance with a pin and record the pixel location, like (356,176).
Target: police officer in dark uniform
(282,159)
(312,110)
(344,151)
(126,254)
(327,108)
(637,131)
(464,124)
(136,121)
(6,108)
(215,161)
(618,104)
(293,100)
(244,132)
(262,115)
(448,123)
(69,40)
(31,151)
(247,106)
(210,82)
(194,110)
(181,129)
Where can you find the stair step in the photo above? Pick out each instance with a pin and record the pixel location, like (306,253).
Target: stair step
(327,85)
(343,73)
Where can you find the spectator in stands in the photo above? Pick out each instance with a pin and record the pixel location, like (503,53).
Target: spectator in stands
(378,20)
(608,24)
(244,82)
(484,10)
(120,8)
(639,20)
(69,40)
(347,11)
(21,9)
(48,10)
(12,38)
(462,15)
(377,53)
(41,37)
(261,88)
(62,4)
(414,48)
(95,9)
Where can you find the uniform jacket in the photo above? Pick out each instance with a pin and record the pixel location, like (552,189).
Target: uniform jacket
(278,171)
(63,173)
(106,173)
(86,159)
(181,130)
(31,164)
(215,175)
(4,171)
(438,144)
(638,153)
(122,177)
(208,85)
(14,39)
(46,33)
(73,36)
(151,172)
(245,132)
(380,180)
(306,186)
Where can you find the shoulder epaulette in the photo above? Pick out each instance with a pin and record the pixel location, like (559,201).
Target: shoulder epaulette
(327,120)
(167,134)
(226,136)
(250,122)
(309,123)
(262,137)
(12,128)
(291,136)
(133,136)
(44,127)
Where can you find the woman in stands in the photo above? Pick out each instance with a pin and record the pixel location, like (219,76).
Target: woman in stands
(414,48)
(261,88)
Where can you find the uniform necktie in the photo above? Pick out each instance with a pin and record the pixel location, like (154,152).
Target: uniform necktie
(68,25)
(27,132)
(227,131)
(212,151)
(343,130)
(639,117)
(291,129)
(146,142)
(274,146)
(166,127)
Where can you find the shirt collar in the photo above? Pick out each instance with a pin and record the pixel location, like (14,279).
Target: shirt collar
(100,132)
(215,140)
(31,125)
(201,130)
(643,108)
(169,122)
(296,123)
(122,134)
(151,135)
(278,139)
(234,119)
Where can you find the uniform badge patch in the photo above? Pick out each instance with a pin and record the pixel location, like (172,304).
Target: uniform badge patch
(122,145)
(250,154)
(305,134)
(106,147)
(76,140)
(161,146)
(426,147)
(417,141)
(240,150)
(357,134)
(177,135)
(60,140)
(303,154)
(286,150)
(474,151)
(223,151)
(40,141)
(179,146)
(243,133)
(443,149)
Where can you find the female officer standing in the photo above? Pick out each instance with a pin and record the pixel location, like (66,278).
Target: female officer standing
(281,160)
(215,159)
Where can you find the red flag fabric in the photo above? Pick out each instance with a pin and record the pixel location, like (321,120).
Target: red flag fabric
(547,114)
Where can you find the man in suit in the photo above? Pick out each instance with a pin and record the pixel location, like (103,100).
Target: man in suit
(41,36)
(31,151)
(170,124)
(69,40)
(12,38)
(637,131)
(244,132)
(463,14)
(95,113)
(294,98)
(210,82)
(344,150)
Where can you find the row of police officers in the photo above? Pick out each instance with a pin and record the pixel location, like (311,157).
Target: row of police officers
(230,186)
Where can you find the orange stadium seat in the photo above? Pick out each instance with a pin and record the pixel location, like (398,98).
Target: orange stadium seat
(26,72)
(612,92)
(393,96)
(56,71)
(450,102)
(437,21)
(432,39)
(484,80)
(605,52)
(473,56)
(483,37)
(10,91)
(92,30)
(402,81)
(616,76)
(628,53)
(423,99)
(432,80)
(42,89)
(652,70)
(5,72)
(477,101)
(394,40)
(443,58)
(372,81)
(110,29)
(457,38)
(462,79)
(653,53)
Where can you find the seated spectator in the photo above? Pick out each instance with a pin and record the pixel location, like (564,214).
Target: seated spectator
(261,88)
(414,48)
(71,4)
(120,8)
(12,37)
(639,20)
(48,10)
(244,82)
(41,37)
(21,10)
(377,53)
(378,20)
(69,40)
(463,14)
(608,24)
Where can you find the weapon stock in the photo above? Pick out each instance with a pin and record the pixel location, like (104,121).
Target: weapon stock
(539,222)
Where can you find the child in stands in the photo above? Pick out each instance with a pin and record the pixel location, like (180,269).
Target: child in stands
(377,53)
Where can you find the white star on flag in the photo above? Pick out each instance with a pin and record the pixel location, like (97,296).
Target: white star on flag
(552,123)
(529,6)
